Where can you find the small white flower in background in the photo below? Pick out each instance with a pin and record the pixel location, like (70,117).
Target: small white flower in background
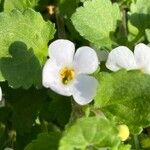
(123,58)
(66,72)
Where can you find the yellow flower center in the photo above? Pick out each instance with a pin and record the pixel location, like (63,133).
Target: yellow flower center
(66,74)
(123,132)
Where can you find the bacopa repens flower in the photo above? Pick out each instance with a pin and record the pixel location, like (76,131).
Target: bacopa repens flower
(122,57)
(66,72)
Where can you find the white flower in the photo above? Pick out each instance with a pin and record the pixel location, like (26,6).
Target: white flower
(0,94)
(66,72)
(122,57)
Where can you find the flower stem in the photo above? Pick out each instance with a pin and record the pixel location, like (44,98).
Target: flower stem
(136,39)
(136,142)
(60,25)
(77,111)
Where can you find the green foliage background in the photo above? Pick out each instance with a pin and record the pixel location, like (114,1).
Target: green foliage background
(35,118)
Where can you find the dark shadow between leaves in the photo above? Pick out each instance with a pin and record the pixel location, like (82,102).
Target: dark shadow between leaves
(22,68)
(140,20)
(2,5)
(120,35)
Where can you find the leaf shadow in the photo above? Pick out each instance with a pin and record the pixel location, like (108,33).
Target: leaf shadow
(2,5)
(22,68)
(138,20)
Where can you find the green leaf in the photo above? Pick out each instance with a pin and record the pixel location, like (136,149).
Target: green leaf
(26,106)
(22,69)
(58,110)
(96,21)
(124,95)
(21,5)
(140,14)
(90,132)
(45,141)
(67,7)
(30,28)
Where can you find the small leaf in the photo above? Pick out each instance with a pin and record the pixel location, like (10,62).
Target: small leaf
(96,21)
(124,95)
(90,132)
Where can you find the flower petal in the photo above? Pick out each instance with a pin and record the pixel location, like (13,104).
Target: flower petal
(84,89)
(62,51)
(85,60)
(52,80)
(142,56)
(0,94)
(119,58)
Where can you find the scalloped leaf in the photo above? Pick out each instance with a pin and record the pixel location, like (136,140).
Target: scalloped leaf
(22,67)
(89,133)
(124,95)
(95,22)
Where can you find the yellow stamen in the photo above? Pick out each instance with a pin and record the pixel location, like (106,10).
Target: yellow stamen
(123,132)
(67,75)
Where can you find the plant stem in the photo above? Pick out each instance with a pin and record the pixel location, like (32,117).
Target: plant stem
(44,125)
(77,111)
(60,25)
(135,40)
(136,142)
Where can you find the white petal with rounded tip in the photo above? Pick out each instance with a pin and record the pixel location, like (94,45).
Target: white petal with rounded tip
(52,80)
(50,72)
(142,56)
(121,58)
(85,60)
(84,89)
(0,94)
(62,51)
